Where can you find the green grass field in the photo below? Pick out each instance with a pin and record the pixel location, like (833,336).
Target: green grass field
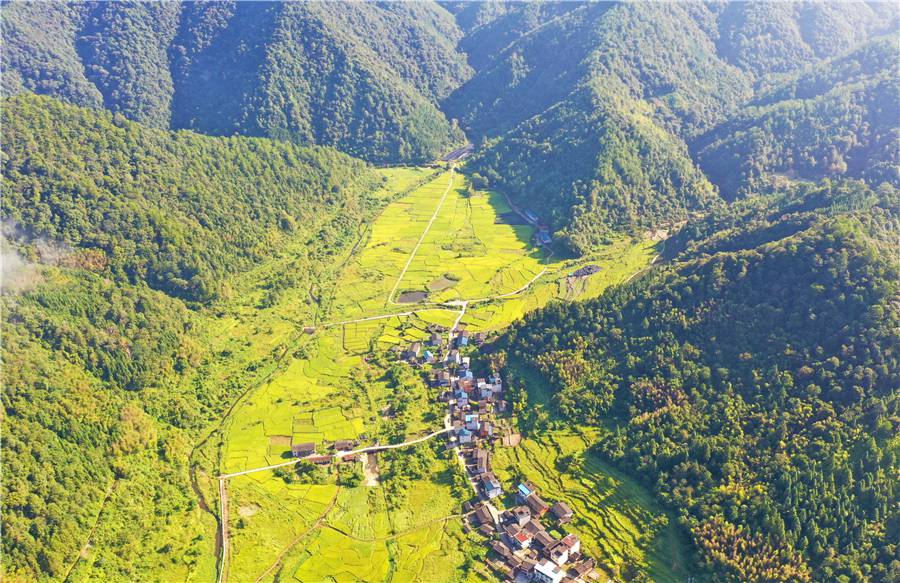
(330,389)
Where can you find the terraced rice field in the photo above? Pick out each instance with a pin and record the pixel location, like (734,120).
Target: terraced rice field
(332,388)
(615,518)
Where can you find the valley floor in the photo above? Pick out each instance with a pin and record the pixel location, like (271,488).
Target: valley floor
(437,254)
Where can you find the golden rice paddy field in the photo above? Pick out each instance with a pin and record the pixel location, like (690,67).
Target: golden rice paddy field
(434,242)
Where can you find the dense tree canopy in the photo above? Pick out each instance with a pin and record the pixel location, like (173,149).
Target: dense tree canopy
(752,382)
(176,210)
(287,70)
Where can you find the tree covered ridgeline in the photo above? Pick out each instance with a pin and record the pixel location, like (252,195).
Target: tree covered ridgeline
(176,210)
(125,236)
(362,77)
(752,382)
(836,119)
(658,77)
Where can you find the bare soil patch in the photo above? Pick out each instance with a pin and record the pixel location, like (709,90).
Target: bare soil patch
(412,297)
(441,283)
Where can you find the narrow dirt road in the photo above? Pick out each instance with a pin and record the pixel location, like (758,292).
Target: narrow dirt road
(338,455)
(90,536)
(421,238)
(319,521)
(223,512)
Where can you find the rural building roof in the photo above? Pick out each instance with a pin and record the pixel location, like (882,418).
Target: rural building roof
(561,510)
(537,505)
(520,511)
(583,567)
(483,515)
(570,540)
(544,539)
(303,448)
(486,529)
(501,549)
(490,481)
(524,490)
(343,444)
(549,570)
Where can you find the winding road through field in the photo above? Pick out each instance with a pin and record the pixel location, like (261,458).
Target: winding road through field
(342,454)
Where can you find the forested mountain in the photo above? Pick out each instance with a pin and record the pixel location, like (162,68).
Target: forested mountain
(111,231)
(837,118)
(752,382)
(580,85)
(554,90)
(362,77)
(175,210)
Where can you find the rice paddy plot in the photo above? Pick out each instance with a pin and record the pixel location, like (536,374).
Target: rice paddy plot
(614,516)
(266,517)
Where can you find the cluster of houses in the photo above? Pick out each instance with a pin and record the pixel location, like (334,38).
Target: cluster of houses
(435,351)
(307,451)
(523,544)
(523,548)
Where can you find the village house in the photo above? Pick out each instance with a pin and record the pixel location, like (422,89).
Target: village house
(483,516)
(516,537)
(519,515)
(501,549)
(303,449)
(543,237)
(527,567)
(472,422)
(547,572)
(572,543)
(414,350)
(543,538)
(562,512)
(583,568)
(486,430)
(538,507)
(558,553)
(491,485)
(453,357)
(464,435)
(523,491)
(482,463)
(479,338)
(344,444)
(463,338)
(436,339)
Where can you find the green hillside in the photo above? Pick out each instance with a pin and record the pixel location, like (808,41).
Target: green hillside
(752,382)
(836,119)
(175,210)
(111,231)
(364,78)
(577,86)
